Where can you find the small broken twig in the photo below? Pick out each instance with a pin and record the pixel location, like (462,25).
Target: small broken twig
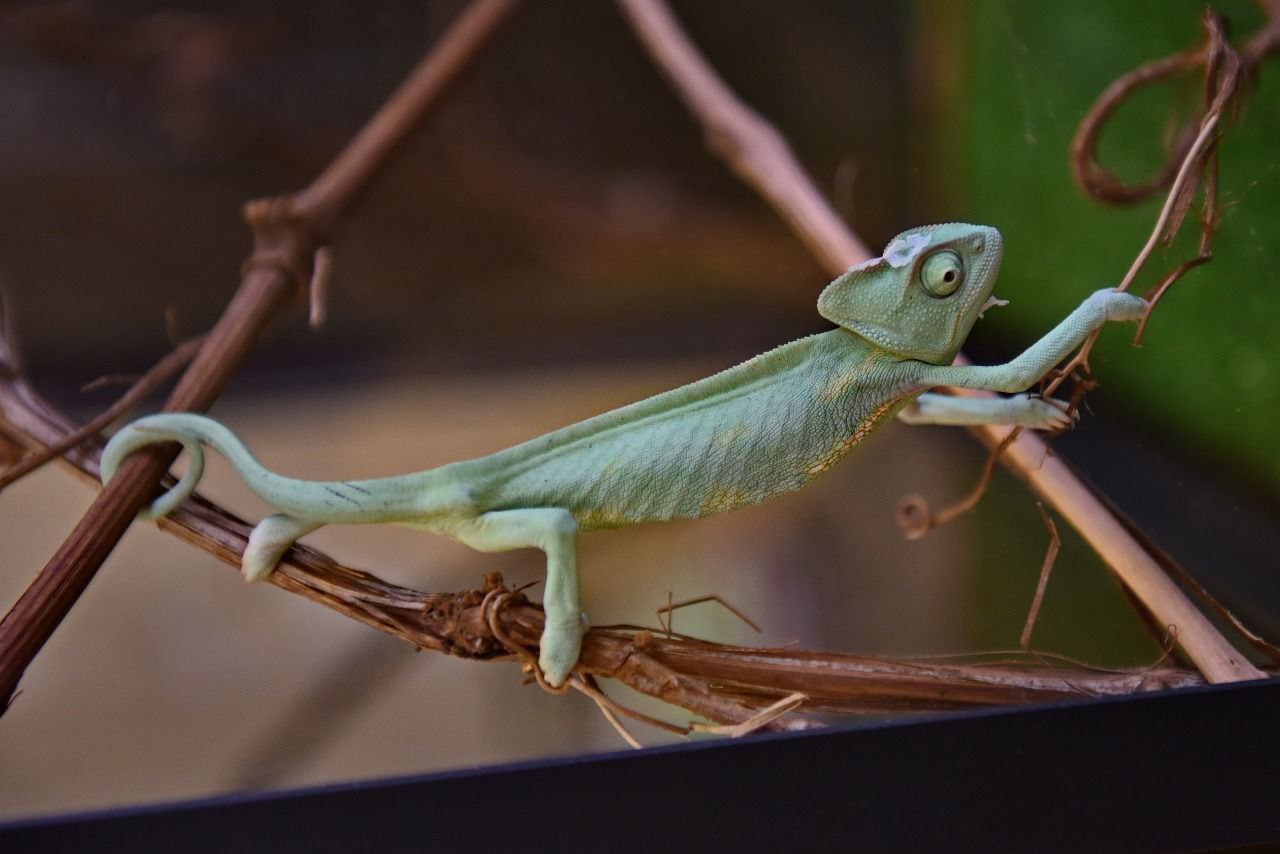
(147,384)
(670,608)
(1050,555)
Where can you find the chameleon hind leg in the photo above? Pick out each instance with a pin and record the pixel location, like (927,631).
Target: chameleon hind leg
(554,531)
(269,541)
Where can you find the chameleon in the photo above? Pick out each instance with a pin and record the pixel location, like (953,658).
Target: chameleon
(739,437)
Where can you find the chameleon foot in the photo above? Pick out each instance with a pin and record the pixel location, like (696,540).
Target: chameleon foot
(561,642)
(1040,414)
(1118,306)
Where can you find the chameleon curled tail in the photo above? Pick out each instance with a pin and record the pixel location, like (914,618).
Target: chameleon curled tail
(193,432)
(318,501)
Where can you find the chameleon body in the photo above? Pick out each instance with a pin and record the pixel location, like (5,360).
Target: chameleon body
(762,428)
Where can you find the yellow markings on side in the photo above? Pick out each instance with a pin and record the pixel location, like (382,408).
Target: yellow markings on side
(843,446)
(722,499)
(727,436)
(843,381)
(601,518)
(609,468)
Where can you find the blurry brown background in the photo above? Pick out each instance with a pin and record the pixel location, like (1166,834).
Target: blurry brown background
(555,242)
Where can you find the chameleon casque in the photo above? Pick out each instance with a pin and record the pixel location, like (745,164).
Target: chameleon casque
(767,426)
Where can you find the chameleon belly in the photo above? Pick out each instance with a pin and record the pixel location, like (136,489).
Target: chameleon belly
(762,428)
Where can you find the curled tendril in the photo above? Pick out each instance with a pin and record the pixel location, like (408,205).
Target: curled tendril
(1223,68)
(914,516)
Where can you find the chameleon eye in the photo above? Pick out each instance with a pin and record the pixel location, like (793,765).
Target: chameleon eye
(941,273)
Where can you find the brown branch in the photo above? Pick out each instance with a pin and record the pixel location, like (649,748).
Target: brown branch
(287,233)
(725,684)
(790,191)
(745,140)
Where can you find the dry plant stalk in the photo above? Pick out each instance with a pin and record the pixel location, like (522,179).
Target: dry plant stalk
(1027,455)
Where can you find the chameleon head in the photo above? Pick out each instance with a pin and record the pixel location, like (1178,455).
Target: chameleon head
(921,298)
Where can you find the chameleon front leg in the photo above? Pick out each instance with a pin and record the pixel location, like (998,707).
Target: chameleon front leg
(1022,410)
(554,531)
(1028,368)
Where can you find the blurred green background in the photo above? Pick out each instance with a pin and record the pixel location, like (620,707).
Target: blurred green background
(555,241)
(1206,377)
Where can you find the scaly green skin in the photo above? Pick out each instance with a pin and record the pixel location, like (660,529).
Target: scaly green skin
(767,426)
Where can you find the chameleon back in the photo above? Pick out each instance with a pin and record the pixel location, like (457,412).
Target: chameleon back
(767,426)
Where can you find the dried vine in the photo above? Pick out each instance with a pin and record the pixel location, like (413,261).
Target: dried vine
(1099,183)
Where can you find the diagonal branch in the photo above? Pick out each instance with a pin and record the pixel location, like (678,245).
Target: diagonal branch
(287,234)
(770,169)
(752,147)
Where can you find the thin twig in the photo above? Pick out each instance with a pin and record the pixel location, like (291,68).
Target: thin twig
(138,392)
(1050,555)
(1198,160)
(1100,184)
(1162,221)
(586,683)
(671,607)
(747,142)
(765,716)
(914,515)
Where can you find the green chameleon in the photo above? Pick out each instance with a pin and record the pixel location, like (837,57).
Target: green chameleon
(765,427)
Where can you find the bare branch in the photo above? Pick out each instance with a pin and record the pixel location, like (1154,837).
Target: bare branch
(1050,555)
(749,144)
